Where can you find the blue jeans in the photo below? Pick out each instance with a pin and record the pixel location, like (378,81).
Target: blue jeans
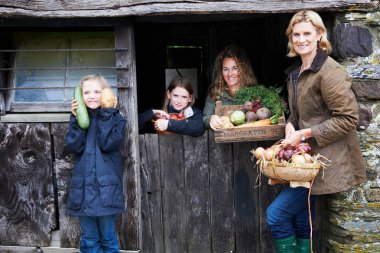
(288,214)
(98,234)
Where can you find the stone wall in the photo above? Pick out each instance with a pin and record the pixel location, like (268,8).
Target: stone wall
(355,215)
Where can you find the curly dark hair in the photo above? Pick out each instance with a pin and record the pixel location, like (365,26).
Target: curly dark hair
(247,76)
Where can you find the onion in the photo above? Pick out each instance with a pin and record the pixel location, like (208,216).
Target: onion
(269,154)
(308,158)
(281,154)
(288,153)
(304,148)
(259,153)
(298,159)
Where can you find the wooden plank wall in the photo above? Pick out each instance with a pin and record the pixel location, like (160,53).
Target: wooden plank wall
(196,195)
(200,196)
(2,85)
(27,210)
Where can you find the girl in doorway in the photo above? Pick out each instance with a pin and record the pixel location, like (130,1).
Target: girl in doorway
(96,191)
(177,115)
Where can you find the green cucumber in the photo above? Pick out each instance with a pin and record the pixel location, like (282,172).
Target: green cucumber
(82,114)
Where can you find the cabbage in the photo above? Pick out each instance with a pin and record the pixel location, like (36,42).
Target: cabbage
(238,117)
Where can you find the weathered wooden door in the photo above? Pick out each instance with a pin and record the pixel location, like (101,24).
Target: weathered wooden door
(200,196)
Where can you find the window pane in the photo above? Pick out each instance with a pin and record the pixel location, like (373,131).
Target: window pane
(102,61)
(40,69)
(45,60)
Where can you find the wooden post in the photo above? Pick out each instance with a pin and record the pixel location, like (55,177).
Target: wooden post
(130,226)
(2,85)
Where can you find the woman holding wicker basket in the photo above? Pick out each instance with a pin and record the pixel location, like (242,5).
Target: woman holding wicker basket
(323,113)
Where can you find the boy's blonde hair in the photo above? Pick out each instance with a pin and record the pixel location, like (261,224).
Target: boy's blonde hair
(103,82)
(316,21)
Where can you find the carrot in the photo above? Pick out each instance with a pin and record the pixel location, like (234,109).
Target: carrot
(262,122)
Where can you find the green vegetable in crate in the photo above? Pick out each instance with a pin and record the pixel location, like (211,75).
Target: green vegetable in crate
(81,111)
(238,117)
(268,96)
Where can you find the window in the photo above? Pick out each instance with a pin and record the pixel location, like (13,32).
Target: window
(47,65)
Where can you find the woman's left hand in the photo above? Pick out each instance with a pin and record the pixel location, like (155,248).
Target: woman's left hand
(161,124)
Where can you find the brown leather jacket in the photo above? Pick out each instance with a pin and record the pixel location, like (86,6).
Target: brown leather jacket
(325,103)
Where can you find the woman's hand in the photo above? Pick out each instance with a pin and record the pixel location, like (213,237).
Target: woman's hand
(161,113)
(215,122)
(161,124)
(289,137)
(293,137)
(74,106)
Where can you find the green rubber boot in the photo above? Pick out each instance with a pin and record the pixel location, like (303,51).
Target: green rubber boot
(286,245)
(303,245)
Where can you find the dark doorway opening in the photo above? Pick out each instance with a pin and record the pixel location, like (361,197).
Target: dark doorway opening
(179,46)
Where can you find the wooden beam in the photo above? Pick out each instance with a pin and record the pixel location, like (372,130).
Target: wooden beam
(130,225)
(116,8)
(2,85)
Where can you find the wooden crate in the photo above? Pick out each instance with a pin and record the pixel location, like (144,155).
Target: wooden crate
(257,133)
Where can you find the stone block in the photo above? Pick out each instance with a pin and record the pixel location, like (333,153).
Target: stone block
(351,41)
(366,89)
(365,116)
(373,195)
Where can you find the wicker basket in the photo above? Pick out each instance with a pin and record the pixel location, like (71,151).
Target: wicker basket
(295,174)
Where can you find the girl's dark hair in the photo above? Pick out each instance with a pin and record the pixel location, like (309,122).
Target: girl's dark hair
(182,82)
(247,76)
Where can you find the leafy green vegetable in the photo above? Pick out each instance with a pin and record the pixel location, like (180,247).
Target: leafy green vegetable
(269,97)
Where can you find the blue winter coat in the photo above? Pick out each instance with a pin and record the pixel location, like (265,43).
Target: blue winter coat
(96,187)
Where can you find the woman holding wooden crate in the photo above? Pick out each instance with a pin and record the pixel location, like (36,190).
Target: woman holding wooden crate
(232,71)
(323,112)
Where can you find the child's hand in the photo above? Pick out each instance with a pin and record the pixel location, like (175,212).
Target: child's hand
(161,124)
(161,114)
(74,106)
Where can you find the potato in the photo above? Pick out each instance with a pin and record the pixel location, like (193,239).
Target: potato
(228,113)
(227,125)
(225,119)
(107,98)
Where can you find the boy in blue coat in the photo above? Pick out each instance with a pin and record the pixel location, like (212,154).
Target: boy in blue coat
(96,190)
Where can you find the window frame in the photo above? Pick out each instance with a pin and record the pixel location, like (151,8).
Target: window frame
(59,107)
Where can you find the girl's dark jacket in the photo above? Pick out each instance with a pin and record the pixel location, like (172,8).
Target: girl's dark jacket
(192,126)
(323,101)
(96,187)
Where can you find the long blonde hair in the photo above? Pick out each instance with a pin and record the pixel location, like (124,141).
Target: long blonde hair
(247,76)
(316,21)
